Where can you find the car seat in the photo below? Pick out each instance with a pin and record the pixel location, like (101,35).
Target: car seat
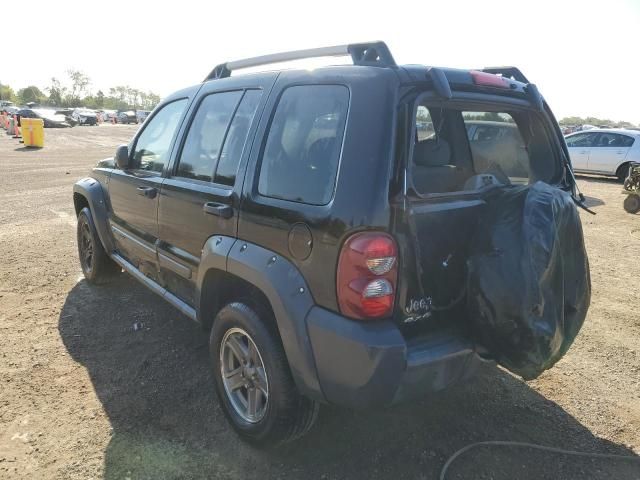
(432,168)
(321,162)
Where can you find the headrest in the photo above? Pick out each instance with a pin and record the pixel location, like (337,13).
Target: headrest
(432,153)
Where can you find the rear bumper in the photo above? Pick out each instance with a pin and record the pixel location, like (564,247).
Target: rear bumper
(368,365)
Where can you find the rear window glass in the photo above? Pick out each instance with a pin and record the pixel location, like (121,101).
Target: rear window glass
(301,154)
(460,150)
(496,145)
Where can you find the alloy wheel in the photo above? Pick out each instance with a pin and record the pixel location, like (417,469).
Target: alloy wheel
(243,375)
(86,247)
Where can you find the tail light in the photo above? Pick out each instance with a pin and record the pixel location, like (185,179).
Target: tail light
(367,275)
(485,79)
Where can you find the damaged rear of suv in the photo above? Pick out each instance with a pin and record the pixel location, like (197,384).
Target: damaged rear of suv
(357,235)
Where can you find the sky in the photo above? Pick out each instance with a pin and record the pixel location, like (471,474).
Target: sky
(583,55)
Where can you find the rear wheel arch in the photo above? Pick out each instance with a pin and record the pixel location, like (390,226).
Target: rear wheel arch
(232,269)
(220,288)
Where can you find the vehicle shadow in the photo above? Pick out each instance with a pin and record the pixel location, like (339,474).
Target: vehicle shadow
(593,202)
(598,179)
(27,149)
(156,388)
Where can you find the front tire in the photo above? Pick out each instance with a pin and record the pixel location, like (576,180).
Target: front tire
(96,265)
(254,384)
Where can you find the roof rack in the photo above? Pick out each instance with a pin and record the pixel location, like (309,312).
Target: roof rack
(507,72)
(375,54)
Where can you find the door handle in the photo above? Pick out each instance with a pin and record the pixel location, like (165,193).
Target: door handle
(584,152)
(149,192)
(218,209)
(619,152)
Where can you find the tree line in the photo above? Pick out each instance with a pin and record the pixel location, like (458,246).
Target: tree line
(76,92)
(596,122)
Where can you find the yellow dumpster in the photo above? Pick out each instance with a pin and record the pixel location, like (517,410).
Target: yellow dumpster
(32,132)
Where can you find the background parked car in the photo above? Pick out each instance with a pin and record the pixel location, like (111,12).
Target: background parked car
(50,117)
(67,113)
(604,151)
(12,110)
(107,115)
(84,116)
(142,115)
(127,117)
(490,140)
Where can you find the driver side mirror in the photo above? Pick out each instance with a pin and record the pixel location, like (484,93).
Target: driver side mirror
(122,157)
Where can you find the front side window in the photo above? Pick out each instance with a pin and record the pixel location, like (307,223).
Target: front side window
(580,140)
(151,151)
(204,141)
(301,155)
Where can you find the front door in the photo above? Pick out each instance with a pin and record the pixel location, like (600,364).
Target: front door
(200,196)
(579,149)
(134,192)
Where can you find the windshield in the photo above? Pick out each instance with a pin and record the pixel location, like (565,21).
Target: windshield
(463,148)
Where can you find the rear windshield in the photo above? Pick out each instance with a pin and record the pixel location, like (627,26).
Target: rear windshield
(465,149)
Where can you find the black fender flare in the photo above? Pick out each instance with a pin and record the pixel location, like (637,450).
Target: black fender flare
(92,191)
(285,288)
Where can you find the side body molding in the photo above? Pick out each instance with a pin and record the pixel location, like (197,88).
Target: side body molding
(286,290)
(91,189)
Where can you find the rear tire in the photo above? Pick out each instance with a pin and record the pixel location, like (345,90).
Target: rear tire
(623,172)
(97,266)
(283,413)
(632,204)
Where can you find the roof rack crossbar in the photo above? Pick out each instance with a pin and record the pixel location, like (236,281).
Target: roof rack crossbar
(507,72)
(369,54)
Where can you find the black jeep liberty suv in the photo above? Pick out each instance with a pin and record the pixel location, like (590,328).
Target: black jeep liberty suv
(354,234)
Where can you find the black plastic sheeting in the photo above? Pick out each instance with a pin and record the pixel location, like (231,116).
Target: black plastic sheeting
(528,286)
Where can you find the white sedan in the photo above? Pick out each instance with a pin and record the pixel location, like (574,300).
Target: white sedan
(604,151)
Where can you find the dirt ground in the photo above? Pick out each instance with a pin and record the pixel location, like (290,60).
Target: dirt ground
(84,396)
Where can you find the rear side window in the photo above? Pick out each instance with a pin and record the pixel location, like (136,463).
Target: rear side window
(622,141)
(206,134)
(613,140)
(301,155)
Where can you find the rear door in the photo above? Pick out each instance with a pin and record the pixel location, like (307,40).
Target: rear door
(134,193)
(609,151)
(201,195)
(290,185)
(579,146)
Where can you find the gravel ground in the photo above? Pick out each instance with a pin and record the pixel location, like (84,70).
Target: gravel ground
(83,395)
